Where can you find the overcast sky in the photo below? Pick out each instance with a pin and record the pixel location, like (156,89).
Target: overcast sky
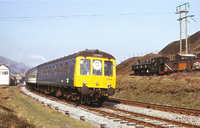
(34,32)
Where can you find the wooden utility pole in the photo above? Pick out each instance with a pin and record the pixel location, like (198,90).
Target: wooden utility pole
(178,11)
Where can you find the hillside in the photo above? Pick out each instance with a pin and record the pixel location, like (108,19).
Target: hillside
(13,65)
(174,47)
(170,50)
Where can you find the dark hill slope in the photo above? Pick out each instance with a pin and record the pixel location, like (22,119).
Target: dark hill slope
(13,65)
(174,47)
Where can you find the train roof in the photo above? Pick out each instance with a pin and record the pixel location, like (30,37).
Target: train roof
(85,53)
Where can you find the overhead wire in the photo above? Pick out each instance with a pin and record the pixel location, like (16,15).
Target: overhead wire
(197,23)
(81,16)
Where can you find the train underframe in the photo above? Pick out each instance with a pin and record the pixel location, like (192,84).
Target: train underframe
(82,95)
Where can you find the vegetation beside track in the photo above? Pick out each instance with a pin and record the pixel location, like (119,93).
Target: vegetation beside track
(177,89)
(25,112)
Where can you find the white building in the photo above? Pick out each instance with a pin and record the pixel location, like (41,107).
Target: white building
(4,75)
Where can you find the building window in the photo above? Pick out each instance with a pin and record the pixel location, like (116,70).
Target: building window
(4,72)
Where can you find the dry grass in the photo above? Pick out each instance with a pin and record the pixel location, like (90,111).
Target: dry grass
(32,113)
(178,89)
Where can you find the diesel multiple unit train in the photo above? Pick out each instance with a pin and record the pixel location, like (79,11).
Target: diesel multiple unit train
(88,76)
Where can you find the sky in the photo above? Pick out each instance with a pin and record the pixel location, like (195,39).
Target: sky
(34,32)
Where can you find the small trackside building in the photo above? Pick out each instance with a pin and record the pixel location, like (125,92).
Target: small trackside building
(4,75)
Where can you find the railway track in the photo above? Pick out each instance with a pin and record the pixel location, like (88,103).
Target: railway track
(126,117)
(178,110)
(160,122)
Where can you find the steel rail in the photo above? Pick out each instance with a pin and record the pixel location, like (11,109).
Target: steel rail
(124,118)
(179,110)
(153,118)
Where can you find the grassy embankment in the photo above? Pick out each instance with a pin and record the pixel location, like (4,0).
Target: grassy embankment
(29,113)
(178,89)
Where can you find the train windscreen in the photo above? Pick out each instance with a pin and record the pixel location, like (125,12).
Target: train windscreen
(108,68)
(85,66)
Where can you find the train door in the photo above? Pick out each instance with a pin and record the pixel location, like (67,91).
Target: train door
(182,66)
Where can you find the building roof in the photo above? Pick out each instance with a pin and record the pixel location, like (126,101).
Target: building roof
(187,55)
(4,67)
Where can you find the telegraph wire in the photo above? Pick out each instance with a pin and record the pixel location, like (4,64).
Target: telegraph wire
(81,16)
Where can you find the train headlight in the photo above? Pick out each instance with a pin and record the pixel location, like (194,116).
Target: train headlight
(84,83)
(97,83)
(109,85)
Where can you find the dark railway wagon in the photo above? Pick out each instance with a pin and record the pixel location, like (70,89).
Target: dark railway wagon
(178,65)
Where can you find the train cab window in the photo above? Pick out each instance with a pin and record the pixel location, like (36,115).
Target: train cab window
(97,67)
(85,66)
(108,68)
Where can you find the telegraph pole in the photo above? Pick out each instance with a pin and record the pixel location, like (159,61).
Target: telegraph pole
(178,11)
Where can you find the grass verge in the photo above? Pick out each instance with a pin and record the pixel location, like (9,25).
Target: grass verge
(32,113)
(178,89)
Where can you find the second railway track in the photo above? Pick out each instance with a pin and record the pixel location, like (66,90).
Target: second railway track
(178,110)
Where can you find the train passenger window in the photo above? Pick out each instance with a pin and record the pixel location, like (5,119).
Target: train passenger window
(108,68)
(72,66)
(65,66)
(97,67)
(68,67)
(60,67)
(85,66)
(53,68)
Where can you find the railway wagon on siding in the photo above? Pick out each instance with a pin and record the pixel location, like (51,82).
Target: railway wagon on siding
(178,65)
(196,64)
(88,76)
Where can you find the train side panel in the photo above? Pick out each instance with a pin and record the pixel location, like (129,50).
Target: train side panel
(57,73)
(178,65)
(31,76)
